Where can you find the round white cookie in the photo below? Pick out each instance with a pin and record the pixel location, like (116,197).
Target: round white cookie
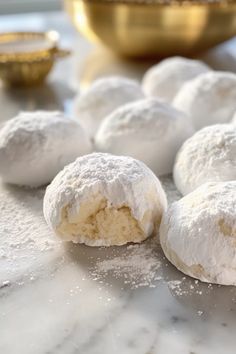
(164,80)
(104,200)
(198,233)
(208,156)
(208,99)
(103,97)
(35,146)
(149,130)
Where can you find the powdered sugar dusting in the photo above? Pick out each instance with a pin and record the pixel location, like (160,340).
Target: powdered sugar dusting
(213,150)
(161,128)
(35,146)
(102,98)
(198,233)
(120,180)
(166,78)
(210,98)
(25,237)
(137,266)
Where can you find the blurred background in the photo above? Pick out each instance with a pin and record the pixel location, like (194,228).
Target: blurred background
(23,6)
(98,34)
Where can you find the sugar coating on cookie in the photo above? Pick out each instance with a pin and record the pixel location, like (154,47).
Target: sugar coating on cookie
(102,97)
(104,200)
(165,79)
(208,99)
(35,146)
(198,233)
(149,130)
(208,156)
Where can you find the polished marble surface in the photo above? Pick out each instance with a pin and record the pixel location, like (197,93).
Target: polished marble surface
(65,299)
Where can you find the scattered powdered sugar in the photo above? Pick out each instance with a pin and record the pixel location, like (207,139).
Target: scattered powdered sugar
(25,237)
(174,284)
(22,221)
(137,265)
(26,242)
(182,287)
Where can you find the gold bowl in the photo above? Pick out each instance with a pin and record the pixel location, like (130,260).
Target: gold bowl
(26,58)
(144,28)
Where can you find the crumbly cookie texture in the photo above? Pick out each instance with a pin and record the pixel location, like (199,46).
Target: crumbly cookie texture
(104,200)
(103,97)
(208,99)
(165,79)
(208,156)
(198,233)
(149,130)
(35,146)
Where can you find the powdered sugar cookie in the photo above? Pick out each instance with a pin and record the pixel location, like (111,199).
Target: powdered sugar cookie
(209,155)
(103,200)
(208,99)
(198,233)
(103,97)
(149,130)
(165,79)
(35,146)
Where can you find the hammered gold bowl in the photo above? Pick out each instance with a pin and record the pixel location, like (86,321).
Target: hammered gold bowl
(26,58)
(144,28)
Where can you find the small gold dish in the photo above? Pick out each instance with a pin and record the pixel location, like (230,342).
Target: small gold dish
(26,58)
(146,28)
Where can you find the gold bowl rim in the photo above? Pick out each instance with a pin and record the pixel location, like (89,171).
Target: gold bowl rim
(162,3)
(43,53)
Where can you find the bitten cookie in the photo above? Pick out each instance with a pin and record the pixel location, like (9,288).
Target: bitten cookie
(104,200)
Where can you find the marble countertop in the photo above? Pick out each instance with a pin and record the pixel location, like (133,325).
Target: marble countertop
(70,299)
